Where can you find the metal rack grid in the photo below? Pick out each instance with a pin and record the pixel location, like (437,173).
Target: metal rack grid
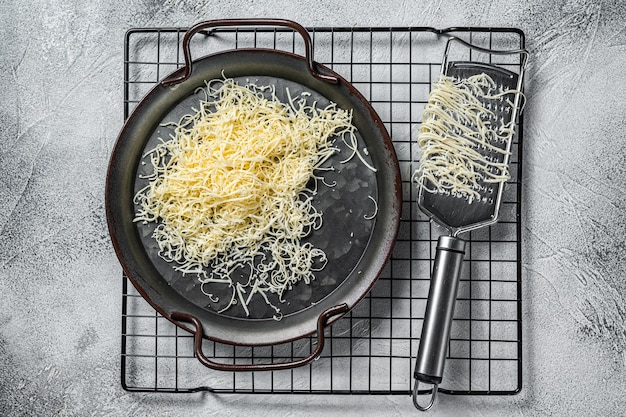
(371,350)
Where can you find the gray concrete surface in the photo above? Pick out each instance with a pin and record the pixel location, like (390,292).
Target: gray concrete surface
(61,109)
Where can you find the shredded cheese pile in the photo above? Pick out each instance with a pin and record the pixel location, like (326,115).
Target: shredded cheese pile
(461,140)
(233,188)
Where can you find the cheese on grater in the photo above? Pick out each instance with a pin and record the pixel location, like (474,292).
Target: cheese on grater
(455,126)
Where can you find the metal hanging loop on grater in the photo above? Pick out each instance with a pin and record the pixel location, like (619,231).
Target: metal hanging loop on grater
(474,137)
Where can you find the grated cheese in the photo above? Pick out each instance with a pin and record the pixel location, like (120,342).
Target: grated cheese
(233,188)
(456,130)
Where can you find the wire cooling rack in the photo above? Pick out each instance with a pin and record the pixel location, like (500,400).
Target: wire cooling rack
(372,349)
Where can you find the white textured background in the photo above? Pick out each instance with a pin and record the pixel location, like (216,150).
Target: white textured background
(61,109)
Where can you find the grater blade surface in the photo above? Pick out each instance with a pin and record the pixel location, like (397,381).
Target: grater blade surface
(460,214)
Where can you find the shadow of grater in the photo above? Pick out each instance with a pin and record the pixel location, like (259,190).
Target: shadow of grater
(460,215)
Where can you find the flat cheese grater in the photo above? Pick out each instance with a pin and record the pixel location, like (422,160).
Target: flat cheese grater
(461,214)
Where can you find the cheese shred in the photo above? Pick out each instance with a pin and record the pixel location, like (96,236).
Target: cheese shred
(232,190)
(462,141)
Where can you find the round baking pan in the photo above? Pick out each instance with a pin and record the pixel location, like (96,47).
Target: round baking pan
(361,212)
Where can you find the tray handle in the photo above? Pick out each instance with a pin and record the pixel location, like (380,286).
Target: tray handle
(322,323)
(202,26)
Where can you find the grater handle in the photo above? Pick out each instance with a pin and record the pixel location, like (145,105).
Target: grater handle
(444,283)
